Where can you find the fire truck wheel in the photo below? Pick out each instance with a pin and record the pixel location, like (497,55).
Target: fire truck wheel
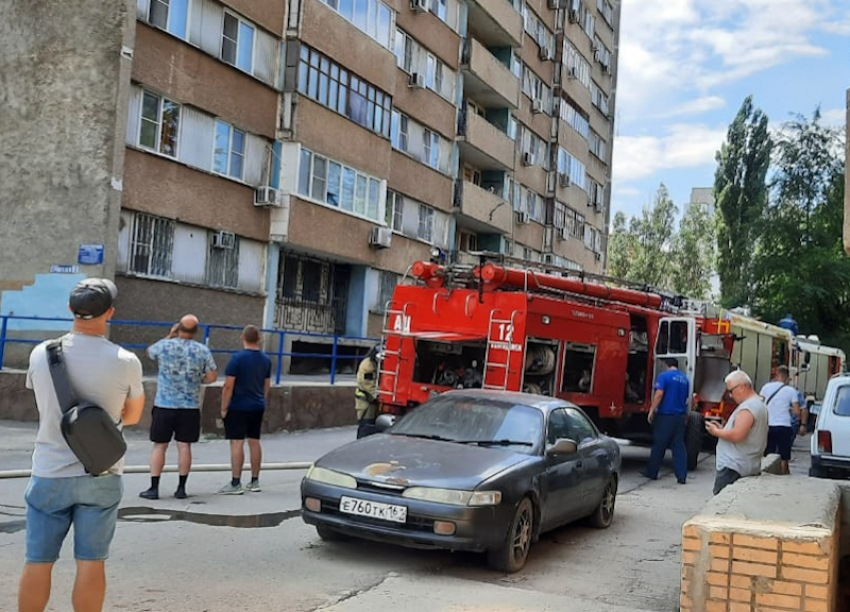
(603,516)
(511,555)
(329,535)
(693,439)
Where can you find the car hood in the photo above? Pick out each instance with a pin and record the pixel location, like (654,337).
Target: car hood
(405,461)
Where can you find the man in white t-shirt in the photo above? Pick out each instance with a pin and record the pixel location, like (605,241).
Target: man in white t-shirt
(782,400)
(60,494)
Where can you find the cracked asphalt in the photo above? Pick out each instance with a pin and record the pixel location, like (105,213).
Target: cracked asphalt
(252,552)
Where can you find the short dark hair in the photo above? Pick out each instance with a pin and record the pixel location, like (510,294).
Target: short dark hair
(671,361)
(251,334)
(783,371)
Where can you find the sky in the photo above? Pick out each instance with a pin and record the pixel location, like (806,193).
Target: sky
(685,67)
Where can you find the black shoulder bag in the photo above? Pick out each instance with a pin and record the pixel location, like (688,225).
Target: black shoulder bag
(88,429)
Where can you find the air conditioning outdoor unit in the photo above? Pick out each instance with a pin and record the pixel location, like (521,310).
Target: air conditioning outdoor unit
(222,240)
(563,179)
(599,206)
(527,159)
(537,105)
(419,6)
(522,218)
(266,196)
(543,53)
(381,237)
(573,73)
(598,256)
(416,80)
(573,16)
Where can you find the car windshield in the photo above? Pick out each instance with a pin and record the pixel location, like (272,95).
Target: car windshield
(474,420)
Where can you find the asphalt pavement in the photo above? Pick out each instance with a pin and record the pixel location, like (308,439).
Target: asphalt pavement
(212,553)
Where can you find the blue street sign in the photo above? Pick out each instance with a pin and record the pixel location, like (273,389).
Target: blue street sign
(90,254)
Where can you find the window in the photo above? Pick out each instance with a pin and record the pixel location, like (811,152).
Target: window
(290,277)
(538,31)
(389,280)
(331,85)
(516,65)
(578,427)
(237,43)
(599,98)
(395,209)
(151,245)
(558,425)
(595,194)
(426,223)
(606,10)
(159,124)
(560,217)
(577,66)
(223,266)
(578,363)
(598,146)
(431,149)
(312,273)
(601,53)
(578,174)
(170,15)
(330,182)
(370,16)
(589,24)
(229,155)
(574,118)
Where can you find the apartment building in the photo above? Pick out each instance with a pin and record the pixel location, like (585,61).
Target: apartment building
(286,161)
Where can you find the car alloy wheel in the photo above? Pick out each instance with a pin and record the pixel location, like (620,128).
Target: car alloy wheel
(603,516)
(510,556)
(521,536)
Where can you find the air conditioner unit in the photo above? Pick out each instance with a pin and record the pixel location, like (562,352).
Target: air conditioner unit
(416,80)
(573,72)
(543,53)
(522,218)
(563,234)
(564,179)
(573,16)
(599,206)
(266,196)
(381,237)
(222,240)
(537,105)
(598,256)
(527,159)
(419,6)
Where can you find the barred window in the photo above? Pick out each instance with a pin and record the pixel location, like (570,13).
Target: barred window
(223,265)
(389,280)
(331,85)
(151,246)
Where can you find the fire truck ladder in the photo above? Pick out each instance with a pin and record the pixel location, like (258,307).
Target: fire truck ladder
(506,324)
(401,315)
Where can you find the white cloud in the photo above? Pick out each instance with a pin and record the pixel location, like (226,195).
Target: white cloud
(683,146)
(835,117)
(670,49)
(696,106)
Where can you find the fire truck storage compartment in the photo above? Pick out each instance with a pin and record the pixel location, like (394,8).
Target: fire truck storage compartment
(449,364)
(578,358)
(637,362)
(541,357)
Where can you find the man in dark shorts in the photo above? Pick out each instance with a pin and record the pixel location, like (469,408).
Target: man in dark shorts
(184,365)
(243,403)
(782,403)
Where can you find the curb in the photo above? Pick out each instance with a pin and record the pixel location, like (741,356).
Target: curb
(208,467)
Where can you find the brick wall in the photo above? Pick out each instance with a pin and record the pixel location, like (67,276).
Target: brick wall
(743,561)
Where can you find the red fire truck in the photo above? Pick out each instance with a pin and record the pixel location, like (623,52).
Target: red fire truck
(586,341)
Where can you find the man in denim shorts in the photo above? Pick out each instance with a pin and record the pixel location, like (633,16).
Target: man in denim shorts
(60,493)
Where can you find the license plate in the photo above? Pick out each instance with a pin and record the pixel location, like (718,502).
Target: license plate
(362,507)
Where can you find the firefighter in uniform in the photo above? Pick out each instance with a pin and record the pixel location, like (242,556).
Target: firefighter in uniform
(366,394)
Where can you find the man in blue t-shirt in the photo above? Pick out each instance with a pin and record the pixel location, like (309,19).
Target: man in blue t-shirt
(668,415)
(243,403)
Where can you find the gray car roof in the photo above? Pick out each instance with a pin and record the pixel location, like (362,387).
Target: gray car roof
(540,402)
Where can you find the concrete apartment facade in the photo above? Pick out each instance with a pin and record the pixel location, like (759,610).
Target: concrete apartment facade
(284,161)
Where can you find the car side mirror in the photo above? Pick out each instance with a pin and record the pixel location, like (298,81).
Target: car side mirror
(805,367)
(562,446)
(384,422)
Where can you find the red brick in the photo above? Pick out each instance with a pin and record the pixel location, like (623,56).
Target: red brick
(807,561)
(686,586)
(741,582)
(806,548)
(818,592)
(739,594)
(715,606)
(691,544)
(720,537)
(786,588)
(689,557)
(685,603)
(720,565)
(739,607)
(754,555)
(690,531)
(716,592)
(719,551)
(782,601)
(741,539)
(815,605)
(716,579)
(753,569)
(804,575)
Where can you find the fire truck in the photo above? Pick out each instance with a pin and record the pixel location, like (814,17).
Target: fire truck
(574,336)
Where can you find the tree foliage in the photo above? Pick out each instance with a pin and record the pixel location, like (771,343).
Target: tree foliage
(693,253)
(741,194)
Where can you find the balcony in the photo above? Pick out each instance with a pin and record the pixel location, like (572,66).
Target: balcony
(495,22)
(487,80)
(482,210)
(483,144)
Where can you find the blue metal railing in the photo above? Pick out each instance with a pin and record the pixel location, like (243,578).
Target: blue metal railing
(207,329)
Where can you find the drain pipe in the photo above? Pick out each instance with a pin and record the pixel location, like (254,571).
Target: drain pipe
(208,467)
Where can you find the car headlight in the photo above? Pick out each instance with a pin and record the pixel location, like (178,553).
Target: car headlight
(454,497)
(337,479)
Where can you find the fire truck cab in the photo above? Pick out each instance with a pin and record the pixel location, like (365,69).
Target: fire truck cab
(497,327)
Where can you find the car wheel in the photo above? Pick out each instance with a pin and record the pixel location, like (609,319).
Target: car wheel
(330,535)
(603,516)
(694,431)
(511,555)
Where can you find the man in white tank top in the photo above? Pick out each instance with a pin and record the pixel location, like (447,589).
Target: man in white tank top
(741,442)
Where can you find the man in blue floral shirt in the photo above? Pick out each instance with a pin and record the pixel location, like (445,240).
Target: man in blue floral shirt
(184,365)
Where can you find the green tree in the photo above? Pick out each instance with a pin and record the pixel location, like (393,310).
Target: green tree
(800,262)
(693,253)
(652,234)
(619,247)
(741,193)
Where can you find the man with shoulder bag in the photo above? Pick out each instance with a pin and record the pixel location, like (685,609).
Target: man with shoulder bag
(85,388)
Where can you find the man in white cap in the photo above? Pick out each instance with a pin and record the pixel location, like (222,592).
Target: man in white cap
(60,494)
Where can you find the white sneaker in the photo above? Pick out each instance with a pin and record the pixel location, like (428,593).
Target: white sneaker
(231,489)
